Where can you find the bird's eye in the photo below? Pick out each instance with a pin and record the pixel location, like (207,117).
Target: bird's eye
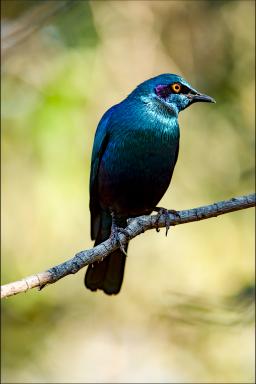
(176,87)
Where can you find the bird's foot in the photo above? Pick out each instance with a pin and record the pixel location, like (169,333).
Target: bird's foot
(166,212)
(114,236)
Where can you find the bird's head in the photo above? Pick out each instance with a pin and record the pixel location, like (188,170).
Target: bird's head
(170,91)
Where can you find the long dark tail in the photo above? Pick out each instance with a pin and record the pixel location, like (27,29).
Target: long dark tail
(107,274)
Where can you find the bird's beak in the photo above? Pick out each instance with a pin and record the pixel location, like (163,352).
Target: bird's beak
(203,98)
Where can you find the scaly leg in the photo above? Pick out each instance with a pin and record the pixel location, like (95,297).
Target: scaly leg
(163,211)
(115,230)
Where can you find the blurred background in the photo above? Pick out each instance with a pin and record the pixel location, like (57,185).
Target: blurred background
(185,312)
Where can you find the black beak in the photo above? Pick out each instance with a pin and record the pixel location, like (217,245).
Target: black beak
(203,98)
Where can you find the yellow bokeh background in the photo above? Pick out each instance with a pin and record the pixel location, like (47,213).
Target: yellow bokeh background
(185,311)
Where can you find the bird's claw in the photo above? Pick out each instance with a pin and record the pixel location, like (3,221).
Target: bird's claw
(166,212)
(115,230)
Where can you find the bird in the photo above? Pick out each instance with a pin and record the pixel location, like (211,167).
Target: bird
(135,150)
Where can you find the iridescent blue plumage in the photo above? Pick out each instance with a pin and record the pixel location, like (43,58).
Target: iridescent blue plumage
(134,154)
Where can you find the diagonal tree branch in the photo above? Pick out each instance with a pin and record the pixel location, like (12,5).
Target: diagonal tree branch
(30,22)
(135,227)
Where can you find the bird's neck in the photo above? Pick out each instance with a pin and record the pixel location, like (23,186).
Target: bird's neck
(158,105)
(162,115)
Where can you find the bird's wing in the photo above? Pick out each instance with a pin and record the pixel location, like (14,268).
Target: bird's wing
(176,153)
(99,146)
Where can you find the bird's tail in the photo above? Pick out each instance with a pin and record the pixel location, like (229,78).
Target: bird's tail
(108,273)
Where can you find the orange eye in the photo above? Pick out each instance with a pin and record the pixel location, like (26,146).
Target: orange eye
(176,87)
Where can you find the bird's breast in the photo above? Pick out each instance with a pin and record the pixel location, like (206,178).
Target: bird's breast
(136,169)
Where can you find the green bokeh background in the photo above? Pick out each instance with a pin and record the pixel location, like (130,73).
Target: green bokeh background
(185,312)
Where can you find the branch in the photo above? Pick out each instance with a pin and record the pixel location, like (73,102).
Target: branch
(135,227)
(31,21)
